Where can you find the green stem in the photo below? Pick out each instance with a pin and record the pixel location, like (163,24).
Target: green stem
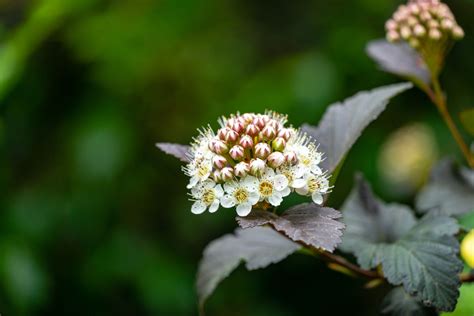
(438,98)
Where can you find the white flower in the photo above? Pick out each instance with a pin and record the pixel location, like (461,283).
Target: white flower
(272,187)
(242,193)
(198,170)
(308,155)
(312,185)
(292,173)
(206,195)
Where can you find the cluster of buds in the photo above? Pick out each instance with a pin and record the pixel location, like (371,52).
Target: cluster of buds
(428,26)
(253,158)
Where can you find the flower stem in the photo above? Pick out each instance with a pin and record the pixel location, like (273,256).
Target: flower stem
(438,98)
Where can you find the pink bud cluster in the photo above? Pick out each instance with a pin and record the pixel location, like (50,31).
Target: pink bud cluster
(248,143)
(423,23)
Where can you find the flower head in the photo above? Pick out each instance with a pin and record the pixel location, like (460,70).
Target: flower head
(252,158)
(428,26)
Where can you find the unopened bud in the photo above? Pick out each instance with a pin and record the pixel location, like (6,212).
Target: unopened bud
(269,132)
(433,24)
(219,147)
(291,158)
(227,174)
(247,117)
(219,162)
(405,32)
(241,169)
(435,34)
(256,167)
(252,130)
(237,152)
(231,136)
(419,30)
(276,159)
(285,133)
(221,133)
(412,21)
(425,16)
(216,175)
(414,8)
(259,122)
(262,150)
(458,32)
(279,144)
(246,142)
(391,25)
(393,36)
(238,127)
(447,24)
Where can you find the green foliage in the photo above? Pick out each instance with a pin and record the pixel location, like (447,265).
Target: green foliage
(399,303)
(467,119)
(399,59)
(450,191)
(420,255)
(308,223)
(257,247)
(343,123)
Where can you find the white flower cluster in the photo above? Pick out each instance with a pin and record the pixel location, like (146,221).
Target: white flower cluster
(253,158)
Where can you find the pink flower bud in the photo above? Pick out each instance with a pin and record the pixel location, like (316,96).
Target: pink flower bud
(220,147)
(393,36)
(216,175)
(447,24)
(391,25)
(433,24)
(219,162)
(425,16)
(237,152)
(231,136)
(268,132)
(221,133)
(227,174)
(279,144)
(259,122)
(285,133)
(405,32)
(412,21)
(414,8)
(276,159)
(256,167)
(419,30)
(238,127)
(458,32)
(435,34)
(246,142)
(262,150)
(248,117)
(291,158)
(241,169)
(252,130)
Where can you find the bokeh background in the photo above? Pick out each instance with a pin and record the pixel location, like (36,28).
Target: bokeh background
(94,220)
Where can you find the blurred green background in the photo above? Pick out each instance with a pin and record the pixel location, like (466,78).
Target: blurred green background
(94,220)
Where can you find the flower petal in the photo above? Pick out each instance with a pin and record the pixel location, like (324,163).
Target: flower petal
(317,198)
(281,182)
(227,201)
(275,200)
(299,183)
(214,206)
(219,191)
(285,192)
(250,183)
(198,207)
(302,191)
(253,198)
(244,209)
